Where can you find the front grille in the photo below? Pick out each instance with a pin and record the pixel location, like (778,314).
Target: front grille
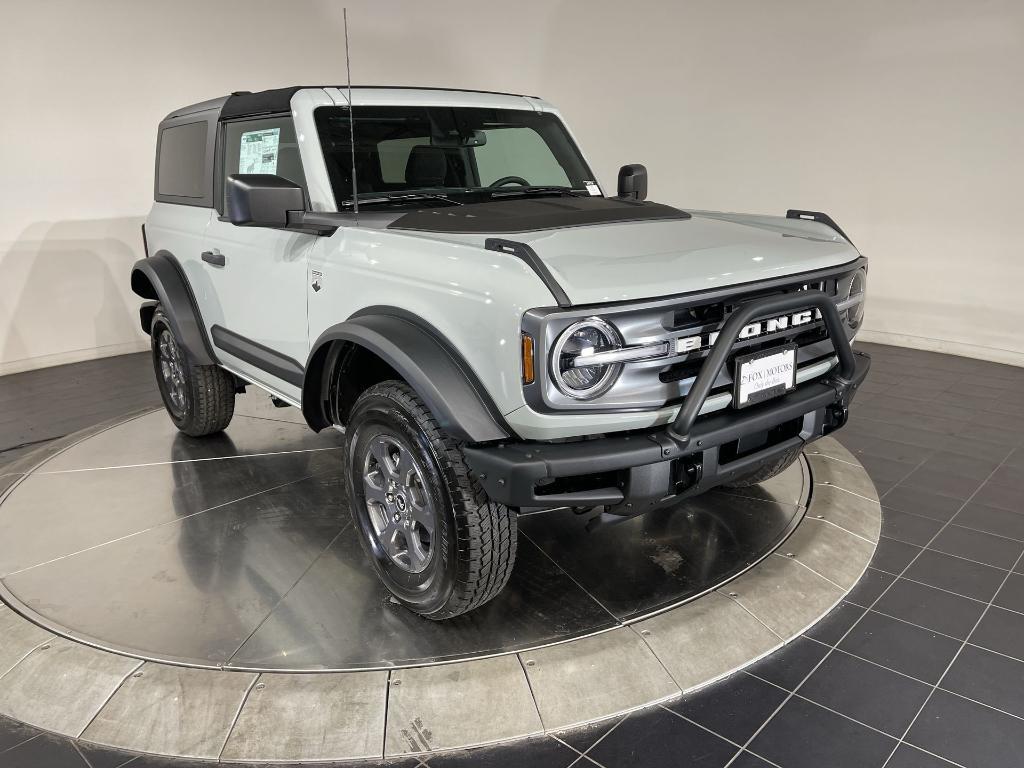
(689,365)
(688,324)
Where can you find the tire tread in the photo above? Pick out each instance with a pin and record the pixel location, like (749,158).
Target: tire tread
(211,391)
(487,532)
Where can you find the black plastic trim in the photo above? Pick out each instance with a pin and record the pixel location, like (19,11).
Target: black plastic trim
(535,262)
(510,472)
(161,278)
(259,355)
(438,374)
(729,335)
(821,218)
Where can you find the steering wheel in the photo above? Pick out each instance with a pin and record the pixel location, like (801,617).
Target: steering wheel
(510,180)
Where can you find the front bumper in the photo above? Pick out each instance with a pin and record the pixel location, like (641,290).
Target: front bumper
(635,472)
(652,468)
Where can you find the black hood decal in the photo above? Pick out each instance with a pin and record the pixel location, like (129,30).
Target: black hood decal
(532,215)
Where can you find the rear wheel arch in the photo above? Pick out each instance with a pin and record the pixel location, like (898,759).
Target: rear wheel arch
(376,346)
(160,280)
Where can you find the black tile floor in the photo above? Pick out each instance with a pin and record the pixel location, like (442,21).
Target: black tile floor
(921,666)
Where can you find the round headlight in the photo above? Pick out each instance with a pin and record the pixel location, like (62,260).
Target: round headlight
(855,314)
(577,342)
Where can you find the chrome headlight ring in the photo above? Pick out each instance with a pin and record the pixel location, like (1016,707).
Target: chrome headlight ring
(855,299)
(590,336)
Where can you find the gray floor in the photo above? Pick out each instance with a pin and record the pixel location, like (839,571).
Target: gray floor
(922,666)
(237,551)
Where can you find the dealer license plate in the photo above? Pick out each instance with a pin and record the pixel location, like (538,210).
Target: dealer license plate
(764,375)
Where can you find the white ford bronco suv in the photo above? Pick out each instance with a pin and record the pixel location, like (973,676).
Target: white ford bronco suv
(438,274)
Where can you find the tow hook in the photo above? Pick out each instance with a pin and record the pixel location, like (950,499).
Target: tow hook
(838,415)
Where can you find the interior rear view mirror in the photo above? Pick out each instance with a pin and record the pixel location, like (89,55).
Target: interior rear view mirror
(262,200)
(633,182)
(473,139)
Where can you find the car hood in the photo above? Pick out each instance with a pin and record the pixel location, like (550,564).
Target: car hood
(648,259)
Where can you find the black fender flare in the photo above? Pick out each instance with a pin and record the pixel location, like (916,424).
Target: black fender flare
(436,372)
(160,278)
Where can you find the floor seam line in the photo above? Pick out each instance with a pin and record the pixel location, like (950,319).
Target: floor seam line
(185,461)
(847,530)
(281,599)
(238,714)
(572,578)
(387,709)
(906,568)
(107,700)
(938,683)
(31,650)
(853,626)
(730,596)
(852,493)
(940,589)
(533,696)
(175,521)
(801,563)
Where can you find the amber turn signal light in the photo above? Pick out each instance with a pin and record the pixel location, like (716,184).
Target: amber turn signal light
(527,359)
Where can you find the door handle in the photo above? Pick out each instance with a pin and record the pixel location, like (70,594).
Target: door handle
(217,259)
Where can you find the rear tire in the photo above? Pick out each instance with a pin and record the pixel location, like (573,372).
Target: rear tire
(766,470)
(435,539)
(200,399)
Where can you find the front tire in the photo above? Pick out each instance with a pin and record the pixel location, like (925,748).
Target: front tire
(434,538)
(200,399)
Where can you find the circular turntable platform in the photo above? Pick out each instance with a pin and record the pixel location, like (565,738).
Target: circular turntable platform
(147,562)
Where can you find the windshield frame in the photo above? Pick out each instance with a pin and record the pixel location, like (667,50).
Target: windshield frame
(339,171)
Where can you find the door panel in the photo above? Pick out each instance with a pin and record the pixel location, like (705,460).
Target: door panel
(259,327)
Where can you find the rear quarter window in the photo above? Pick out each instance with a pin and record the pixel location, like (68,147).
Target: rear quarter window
(182,172)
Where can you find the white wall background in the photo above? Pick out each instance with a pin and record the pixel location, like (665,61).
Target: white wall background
(901,119)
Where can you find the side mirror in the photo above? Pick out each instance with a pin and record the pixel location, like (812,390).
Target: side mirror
(633,182)
(262,200)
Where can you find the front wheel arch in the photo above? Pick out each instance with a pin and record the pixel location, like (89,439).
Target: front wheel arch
(371,348)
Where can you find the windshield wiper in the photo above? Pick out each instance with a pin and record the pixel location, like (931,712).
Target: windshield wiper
(400,197)
(539,190)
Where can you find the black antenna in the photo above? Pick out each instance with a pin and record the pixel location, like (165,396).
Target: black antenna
(351,124)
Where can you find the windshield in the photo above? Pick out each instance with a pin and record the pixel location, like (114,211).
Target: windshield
(449,155)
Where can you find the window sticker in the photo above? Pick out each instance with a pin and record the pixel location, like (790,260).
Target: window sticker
(258,151)
(592,187)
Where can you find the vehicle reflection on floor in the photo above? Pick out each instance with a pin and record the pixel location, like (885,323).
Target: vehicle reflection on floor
(237,551)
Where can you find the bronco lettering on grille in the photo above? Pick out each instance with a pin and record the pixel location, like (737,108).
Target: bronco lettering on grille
(699,341)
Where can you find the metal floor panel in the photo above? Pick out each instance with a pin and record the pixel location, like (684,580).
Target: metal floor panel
(236,552)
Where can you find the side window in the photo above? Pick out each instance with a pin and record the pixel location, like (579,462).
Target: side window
(518,152)
(181,167)
(266,145)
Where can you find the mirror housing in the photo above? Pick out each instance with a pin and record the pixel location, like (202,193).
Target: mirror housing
(633,182)
(262,200)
